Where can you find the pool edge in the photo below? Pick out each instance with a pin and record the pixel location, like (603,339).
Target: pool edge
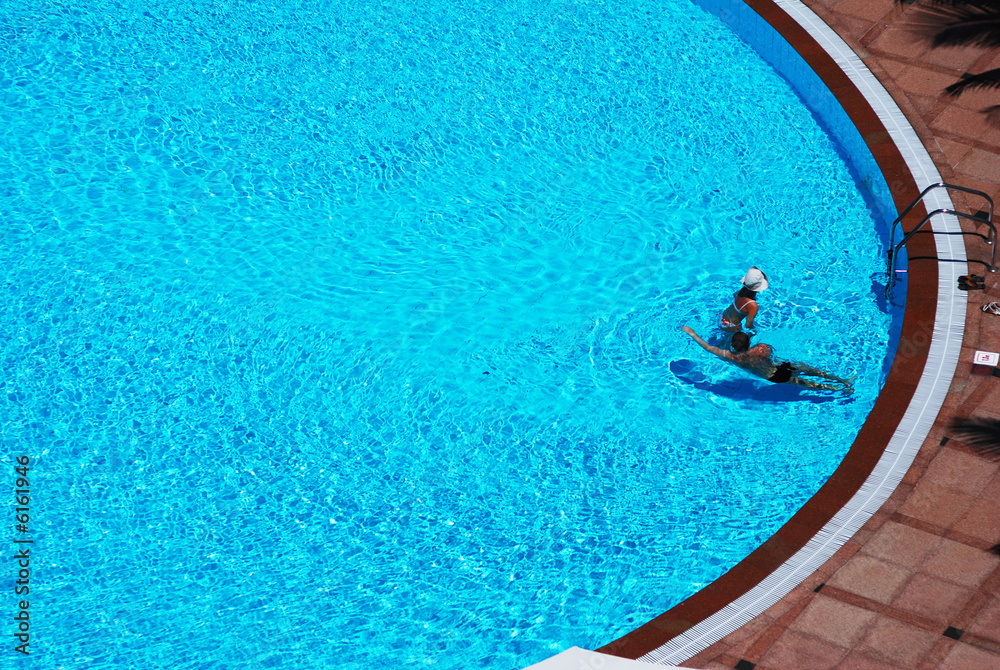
(931,333)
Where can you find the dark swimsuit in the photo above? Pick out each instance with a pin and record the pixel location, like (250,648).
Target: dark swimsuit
(782,374)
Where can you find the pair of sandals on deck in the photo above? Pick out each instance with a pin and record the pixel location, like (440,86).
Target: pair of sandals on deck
(971,283)
(977,283)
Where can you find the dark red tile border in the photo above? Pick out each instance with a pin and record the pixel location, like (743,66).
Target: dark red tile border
(907,367)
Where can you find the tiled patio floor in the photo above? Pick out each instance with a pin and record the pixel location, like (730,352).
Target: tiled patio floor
(917,588)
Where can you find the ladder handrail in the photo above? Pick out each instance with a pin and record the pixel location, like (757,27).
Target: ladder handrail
(941,184)
(895,250)
(991,240)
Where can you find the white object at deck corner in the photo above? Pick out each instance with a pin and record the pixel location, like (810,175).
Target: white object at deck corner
(986,358)
(576,658)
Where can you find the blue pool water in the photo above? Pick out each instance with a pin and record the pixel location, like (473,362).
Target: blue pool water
(344,335)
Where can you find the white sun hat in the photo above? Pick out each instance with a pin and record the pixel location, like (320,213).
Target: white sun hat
(755,280)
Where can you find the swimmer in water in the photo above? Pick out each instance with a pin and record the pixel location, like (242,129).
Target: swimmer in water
(744,304)
(759,360)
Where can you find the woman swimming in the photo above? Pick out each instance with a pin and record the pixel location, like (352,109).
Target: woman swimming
(744,304)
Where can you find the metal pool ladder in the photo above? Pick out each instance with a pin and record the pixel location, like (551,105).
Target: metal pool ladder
(977,217)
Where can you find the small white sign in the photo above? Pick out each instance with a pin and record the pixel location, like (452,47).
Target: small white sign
(986,358)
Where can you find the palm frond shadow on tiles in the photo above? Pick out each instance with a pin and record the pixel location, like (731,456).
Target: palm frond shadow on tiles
(980,433)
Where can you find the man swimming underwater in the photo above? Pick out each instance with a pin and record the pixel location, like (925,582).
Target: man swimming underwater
(759,360)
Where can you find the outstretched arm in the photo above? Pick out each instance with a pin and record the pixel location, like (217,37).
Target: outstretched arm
(721,353)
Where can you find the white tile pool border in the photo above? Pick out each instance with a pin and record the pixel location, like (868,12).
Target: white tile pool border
(942,359)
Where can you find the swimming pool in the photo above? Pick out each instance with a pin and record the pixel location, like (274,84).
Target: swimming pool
(355,330)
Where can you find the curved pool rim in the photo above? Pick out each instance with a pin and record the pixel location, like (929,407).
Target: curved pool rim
(923,365)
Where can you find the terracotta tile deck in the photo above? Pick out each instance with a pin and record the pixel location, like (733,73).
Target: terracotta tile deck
(917,587)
